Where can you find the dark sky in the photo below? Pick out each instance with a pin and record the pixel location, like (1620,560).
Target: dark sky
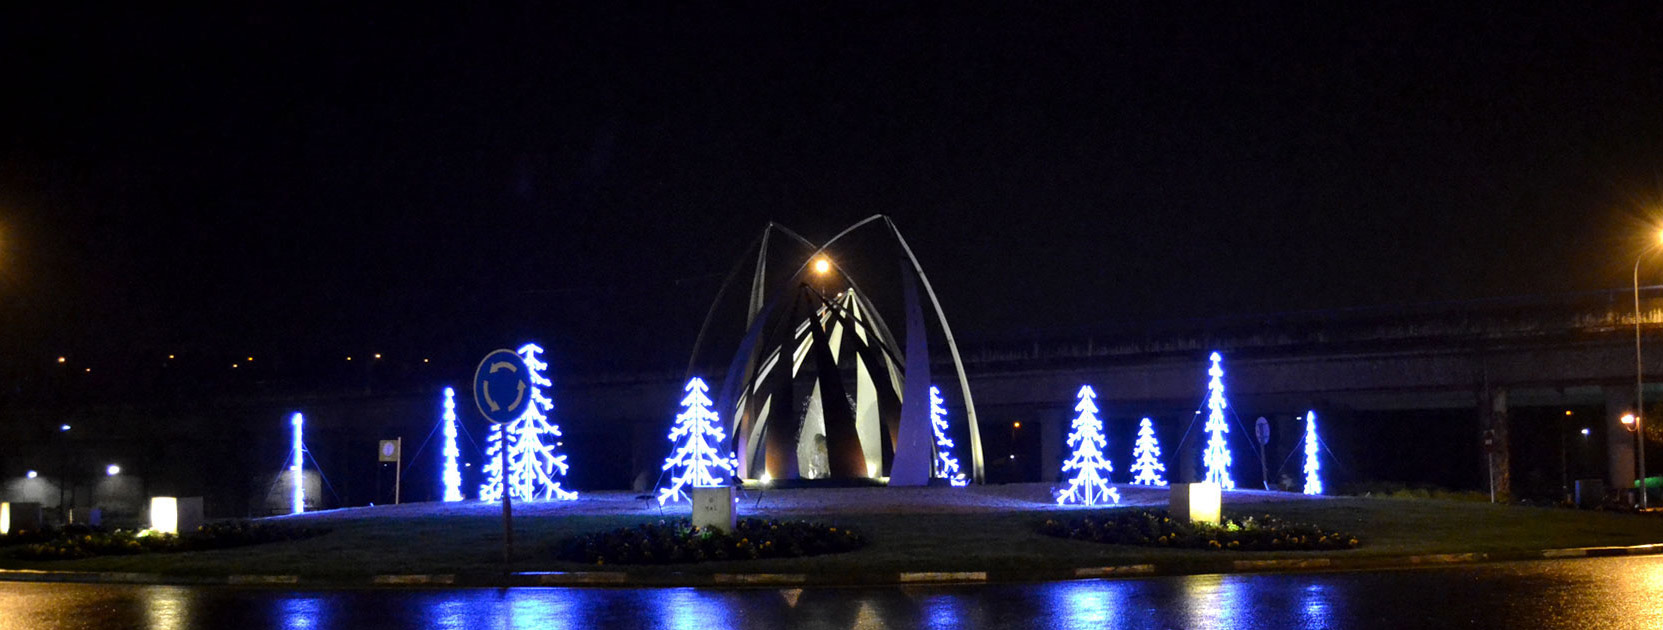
(269,181)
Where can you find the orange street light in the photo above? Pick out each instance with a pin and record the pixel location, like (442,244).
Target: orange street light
(822,265)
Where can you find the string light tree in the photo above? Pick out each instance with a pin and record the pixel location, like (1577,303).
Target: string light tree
(1148,467)
(297,489)
(697,459)
(532,462)
(452,476)
(1091,485)
(946,466)
(1217,457)
(1313,474)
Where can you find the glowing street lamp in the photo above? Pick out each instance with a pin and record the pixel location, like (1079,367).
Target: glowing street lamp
(31,474)
(822,265)
(112,470)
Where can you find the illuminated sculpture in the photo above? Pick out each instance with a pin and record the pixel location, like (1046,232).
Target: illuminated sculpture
(452,476)
(1217,456)
(946,466)
(1091,485)
(532,463)
(819,387)
(1313,478)
(297,495)
(1148,467)
(698,461)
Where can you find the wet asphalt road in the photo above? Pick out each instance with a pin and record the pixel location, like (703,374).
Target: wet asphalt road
(1594,594)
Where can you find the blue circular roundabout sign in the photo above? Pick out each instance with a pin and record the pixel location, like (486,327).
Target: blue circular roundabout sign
(502,386)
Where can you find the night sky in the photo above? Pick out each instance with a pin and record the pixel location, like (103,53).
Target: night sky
(266,181)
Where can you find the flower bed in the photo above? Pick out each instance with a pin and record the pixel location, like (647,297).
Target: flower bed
(83,542)
(1153,528)
(678,541)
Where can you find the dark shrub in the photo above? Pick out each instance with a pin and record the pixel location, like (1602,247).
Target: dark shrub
(678,541)
(1154,528)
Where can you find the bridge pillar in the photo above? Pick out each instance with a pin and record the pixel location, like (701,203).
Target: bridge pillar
(1619,443)
(1053,430)
(1498,460)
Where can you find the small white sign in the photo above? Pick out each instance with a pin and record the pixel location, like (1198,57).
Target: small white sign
(713,507)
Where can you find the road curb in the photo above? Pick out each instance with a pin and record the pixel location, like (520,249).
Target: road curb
(623,579)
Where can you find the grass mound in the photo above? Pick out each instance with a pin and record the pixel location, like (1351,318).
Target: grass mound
(678,541)
(1154,528)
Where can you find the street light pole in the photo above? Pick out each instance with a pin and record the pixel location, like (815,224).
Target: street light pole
(1639,390)
(63,472)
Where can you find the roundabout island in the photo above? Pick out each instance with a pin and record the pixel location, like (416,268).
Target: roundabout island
(911,535)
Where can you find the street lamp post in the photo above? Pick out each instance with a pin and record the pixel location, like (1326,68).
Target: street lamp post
(1639,388)
(63,472)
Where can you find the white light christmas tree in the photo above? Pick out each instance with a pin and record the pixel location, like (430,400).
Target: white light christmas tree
(532,462)
(1217,457)
(1091,485)
(946,466)
(1147,468)
(1313,474)
(452,476)
(699,460)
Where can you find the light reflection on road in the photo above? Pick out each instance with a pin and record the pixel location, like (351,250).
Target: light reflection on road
(1598,594)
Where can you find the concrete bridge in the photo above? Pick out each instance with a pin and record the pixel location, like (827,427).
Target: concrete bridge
(1568,354)
(1402,393)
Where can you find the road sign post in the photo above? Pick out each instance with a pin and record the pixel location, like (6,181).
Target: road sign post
(1262,430)
(499,373)
(392,451)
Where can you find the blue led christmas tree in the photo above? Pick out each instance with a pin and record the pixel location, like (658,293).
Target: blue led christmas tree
(699,460)
(532,462)
(946,466)
(1217,456)
(297,496)
(1313,476)
(1090,486)
(1147,468)
(452,476)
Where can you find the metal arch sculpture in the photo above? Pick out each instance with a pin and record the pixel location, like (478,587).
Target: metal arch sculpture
(848,313)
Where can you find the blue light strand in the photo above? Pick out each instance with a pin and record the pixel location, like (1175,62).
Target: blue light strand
(1091,485)
(297,495)
(946,466)
(1147,469)
(532,463)
(1313,468)
(452,476)
(698,458)
(1217,456)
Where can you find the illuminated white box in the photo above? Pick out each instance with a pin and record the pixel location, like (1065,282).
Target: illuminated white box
(164,514)
(1195,502)
(173,515)
(22,517)
(713,507)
